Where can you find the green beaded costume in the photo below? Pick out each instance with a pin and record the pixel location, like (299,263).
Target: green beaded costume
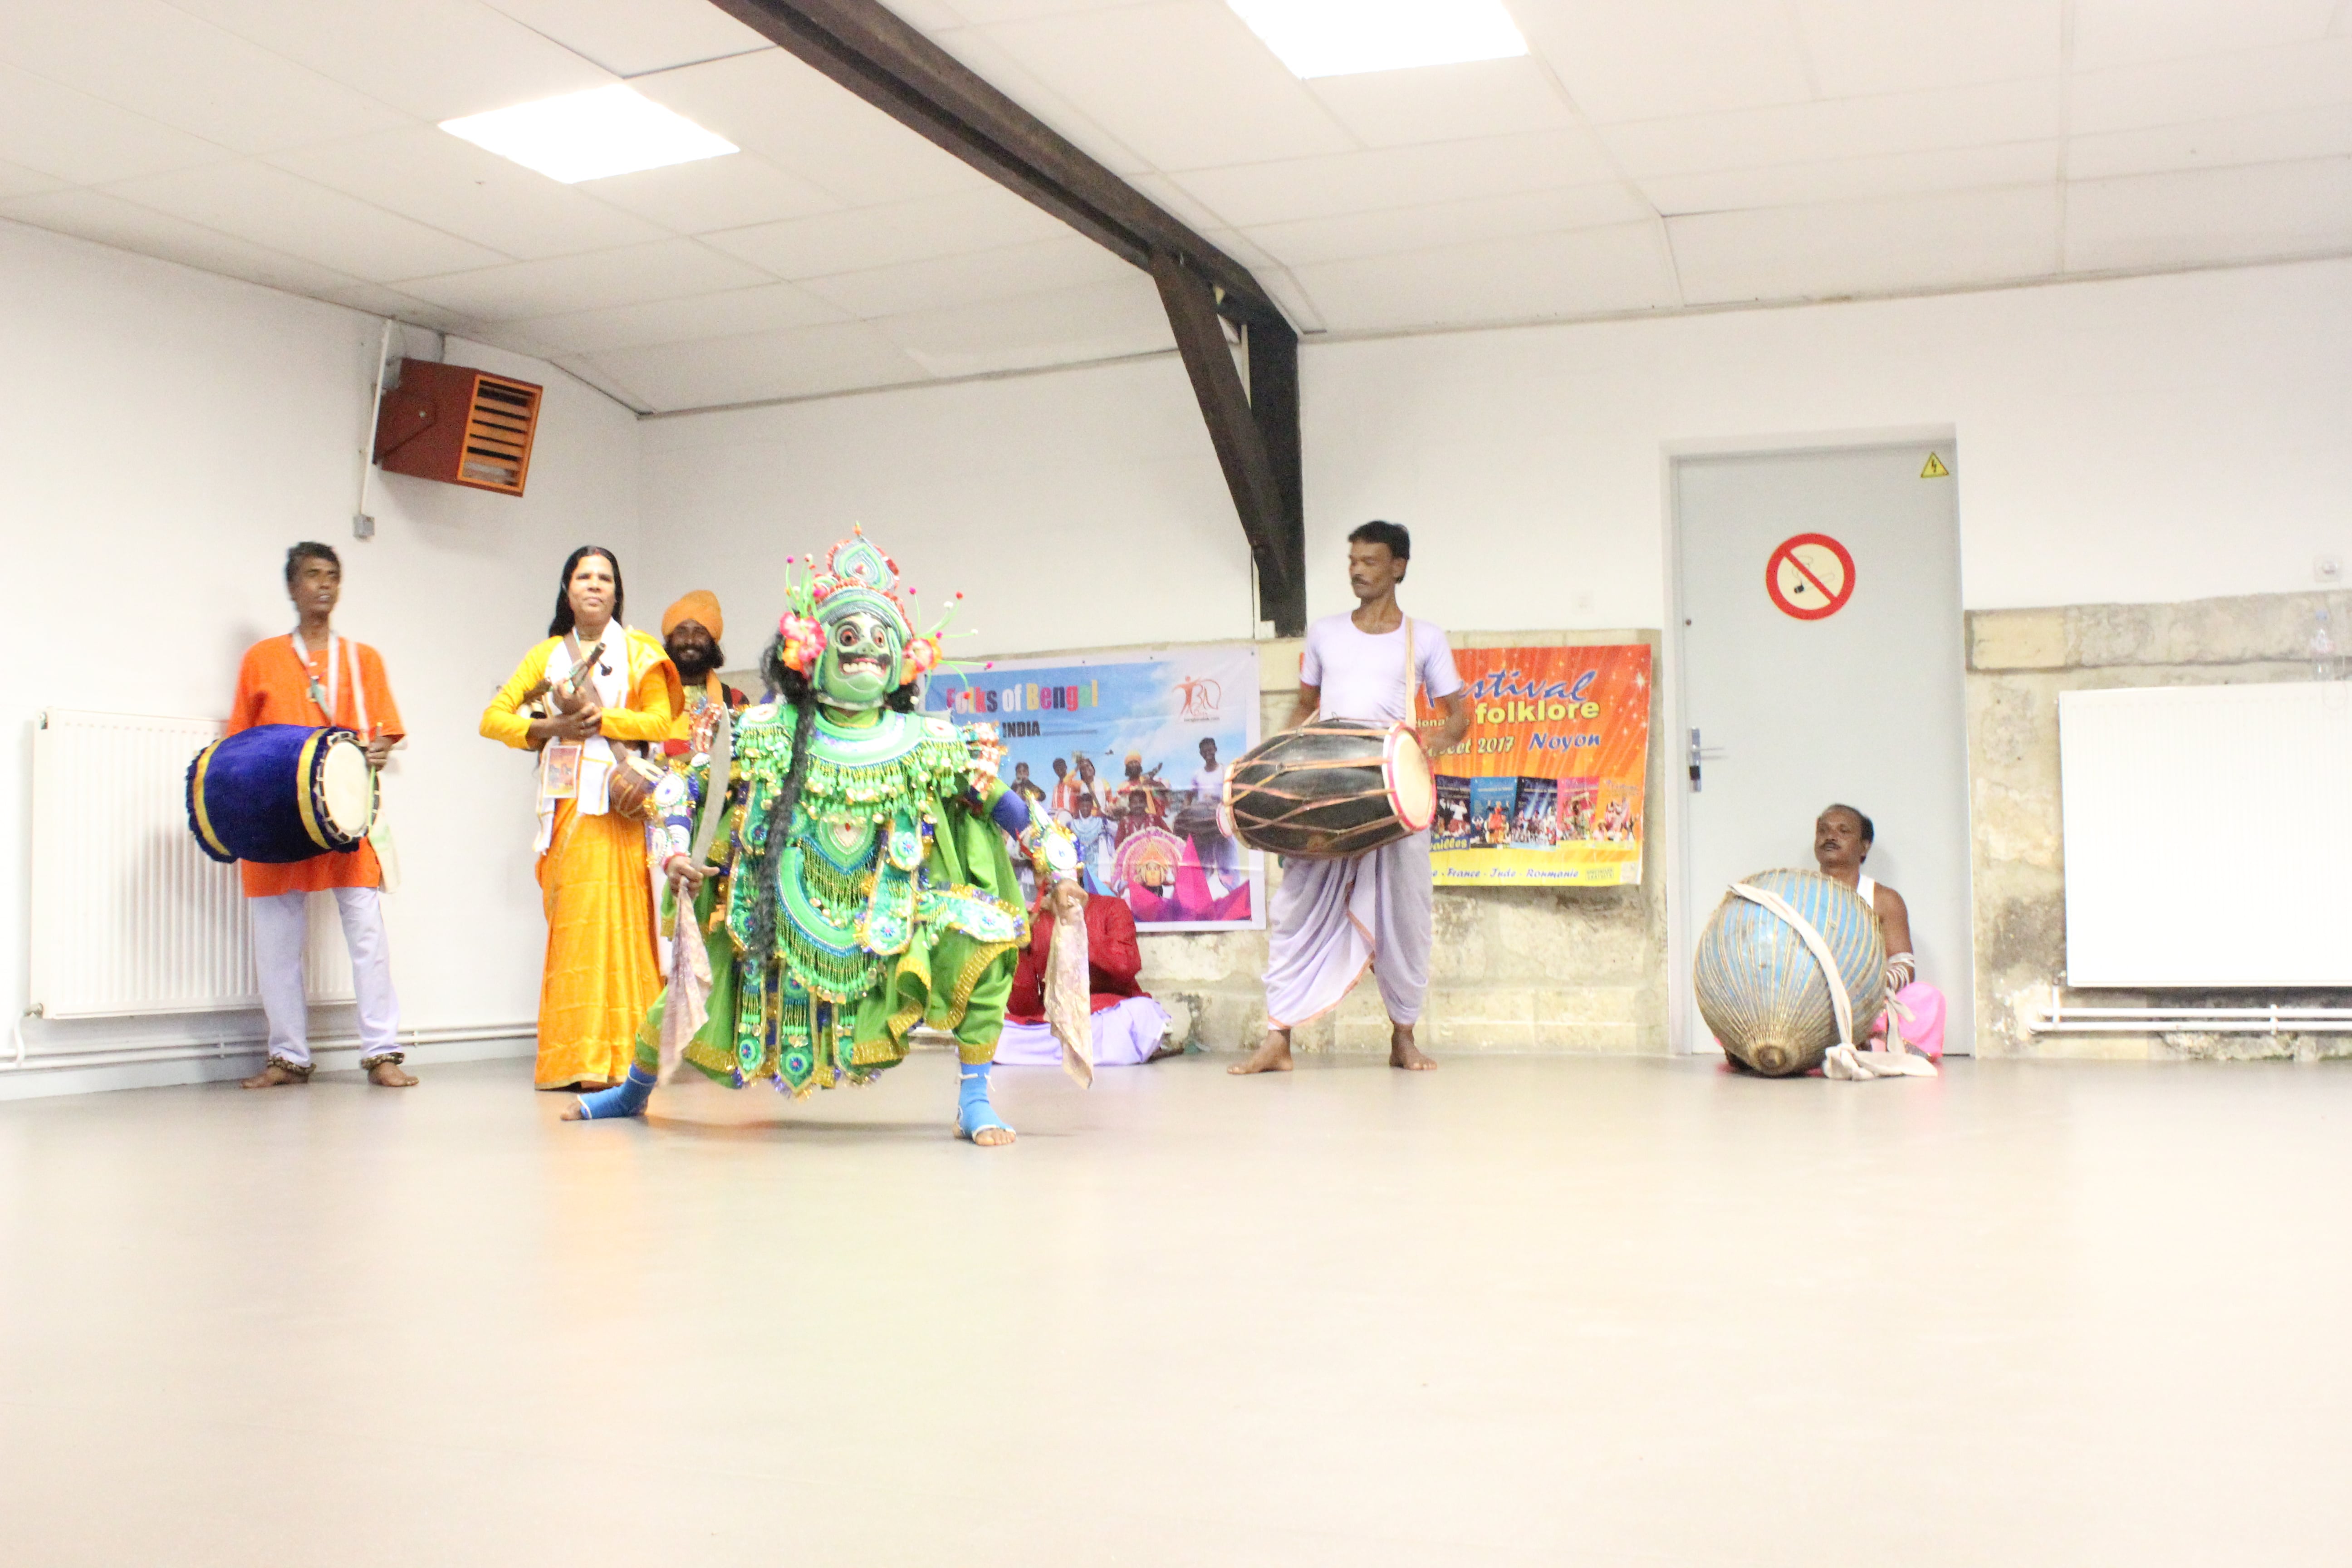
(896,903)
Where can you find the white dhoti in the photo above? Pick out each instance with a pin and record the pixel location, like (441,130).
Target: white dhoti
(1332,917)
(1126,1034)
(281,928)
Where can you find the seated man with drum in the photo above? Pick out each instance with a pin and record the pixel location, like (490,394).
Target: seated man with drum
(315,679)
(1842,841)
(1332,917)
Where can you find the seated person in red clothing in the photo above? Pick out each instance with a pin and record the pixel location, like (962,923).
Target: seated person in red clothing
(1129,1028)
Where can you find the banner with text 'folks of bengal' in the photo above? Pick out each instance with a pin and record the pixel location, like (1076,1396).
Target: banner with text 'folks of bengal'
(1545,789)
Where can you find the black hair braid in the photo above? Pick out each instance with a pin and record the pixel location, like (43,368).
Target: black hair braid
(799,692)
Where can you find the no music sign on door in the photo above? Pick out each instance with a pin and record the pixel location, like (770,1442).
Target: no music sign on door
(1809,576)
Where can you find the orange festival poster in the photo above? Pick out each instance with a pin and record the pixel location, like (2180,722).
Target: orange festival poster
(1546,788)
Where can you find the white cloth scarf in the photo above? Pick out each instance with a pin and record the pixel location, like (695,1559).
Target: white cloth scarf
(597,759)
(339,656)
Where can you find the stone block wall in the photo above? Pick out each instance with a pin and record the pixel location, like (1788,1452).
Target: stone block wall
(2019,661)
(1565,970)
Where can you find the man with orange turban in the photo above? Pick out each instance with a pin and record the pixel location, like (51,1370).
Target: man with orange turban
(690,632)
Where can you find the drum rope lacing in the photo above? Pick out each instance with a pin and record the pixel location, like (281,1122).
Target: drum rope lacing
(1840,1000)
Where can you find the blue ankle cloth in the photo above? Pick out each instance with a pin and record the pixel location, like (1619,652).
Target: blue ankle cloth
(626,1097)
(973,1112)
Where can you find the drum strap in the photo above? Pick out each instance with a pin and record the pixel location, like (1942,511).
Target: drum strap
(328,698)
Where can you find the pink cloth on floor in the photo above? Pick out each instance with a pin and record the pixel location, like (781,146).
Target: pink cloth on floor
(1923,1031)
(1125,1035)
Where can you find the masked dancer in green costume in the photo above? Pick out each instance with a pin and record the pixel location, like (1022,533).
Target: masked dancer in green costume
(863,883)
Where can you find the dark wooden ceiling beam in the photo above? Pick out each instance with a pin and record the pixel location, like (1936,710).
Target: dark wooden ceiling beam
(867,48)
(1262,474)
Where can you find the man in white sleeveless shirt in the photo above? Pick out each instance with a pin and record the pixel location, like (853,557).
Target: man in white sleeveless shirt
(1332,917)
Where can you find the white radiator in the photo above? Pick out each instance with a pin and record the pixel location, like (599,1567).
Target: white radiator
(129,917)
(2208,834)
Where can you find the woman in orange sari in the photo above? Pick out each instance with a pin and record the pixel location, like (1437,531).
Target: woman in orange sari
(601,684)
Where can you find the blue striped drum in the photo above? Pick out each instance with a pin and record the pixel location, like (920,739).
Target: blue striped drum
(280,793)
(1760,988)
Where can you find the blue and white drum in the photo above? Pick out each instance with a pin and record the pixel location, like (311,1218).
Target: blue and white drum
(279,793)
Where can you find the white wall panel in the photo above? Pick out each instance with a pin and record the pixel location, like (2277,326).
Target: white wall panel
(2207,843)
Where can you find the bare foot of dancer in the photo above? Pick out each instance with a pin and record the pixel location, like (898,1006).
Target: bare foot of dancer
(1404,1054)
(277,1073)
(1273,1054)
(390,1074)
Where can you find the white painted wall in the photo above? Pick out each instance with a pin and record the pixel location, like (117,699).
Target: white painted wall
(1081,510)
(168,433)
(2146,439)
(2149,439)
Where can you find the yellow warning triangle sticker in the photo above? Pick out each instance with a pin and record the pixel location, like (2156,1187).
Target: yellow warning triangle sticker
(1935,468)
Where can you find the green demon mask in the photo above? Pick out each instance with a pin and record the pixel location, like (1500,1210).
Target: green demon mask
(864,660)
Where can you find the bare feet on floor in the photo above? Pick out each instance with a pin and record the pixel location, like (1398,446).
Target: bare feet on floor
(276,1074)
(1403,1054)
(1273,1054)
(390,1075)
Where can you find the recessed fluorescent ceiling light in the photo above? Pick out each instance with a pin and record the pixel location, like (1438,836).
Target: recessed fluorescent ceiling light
(590,135)
(1343,37)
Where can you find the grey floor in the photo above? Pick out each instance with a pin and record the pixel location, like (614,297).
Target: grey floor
(1522,1311)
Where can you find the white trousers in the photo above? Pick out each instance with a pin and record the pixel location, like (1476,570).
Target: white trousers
(281,926)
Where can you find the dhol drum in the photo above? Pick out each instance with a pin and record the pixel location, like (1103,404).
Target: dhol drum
(279,793)
(1331,788)
(1763,986)
(630,789)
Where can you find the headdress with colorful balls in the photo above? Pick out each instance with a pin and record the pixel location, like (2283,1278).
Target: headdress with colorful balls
(857,575)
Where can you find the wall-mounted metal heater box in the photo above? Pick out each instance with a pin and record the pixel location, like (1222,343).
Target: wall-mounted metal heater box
(457,425)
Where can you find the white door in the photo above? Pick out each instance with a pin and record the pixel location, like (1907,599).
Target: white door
(1821,662)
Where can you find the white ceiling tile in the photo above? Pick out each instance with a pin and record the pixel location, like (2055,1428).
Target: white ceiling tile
(1638,61)
(1252,194)
(712,194)
(2252,213)
(803,363)
(169,66)
(597,280)
(1590,272)
(629,37)
(1066,262)
(109,220)
(435,59)
(1865,47)
(2213,87)
(865,238)
(1183,82)
(1447,103)
(273,208)
(2127,32)
(2212,143)
(378,301)
(996,66)
(772,104)
(1298,305)
(983,12)
(1068,326)
(426,173)
(1400,229)
(1855,179)
(1238,246)
(730,312)
(16,179)
(83,141)
(603,381)
(1867,248)
(1844,128)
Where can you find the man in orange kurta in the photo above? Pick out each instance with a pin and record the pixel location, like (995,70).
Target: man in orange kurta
(315,678)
